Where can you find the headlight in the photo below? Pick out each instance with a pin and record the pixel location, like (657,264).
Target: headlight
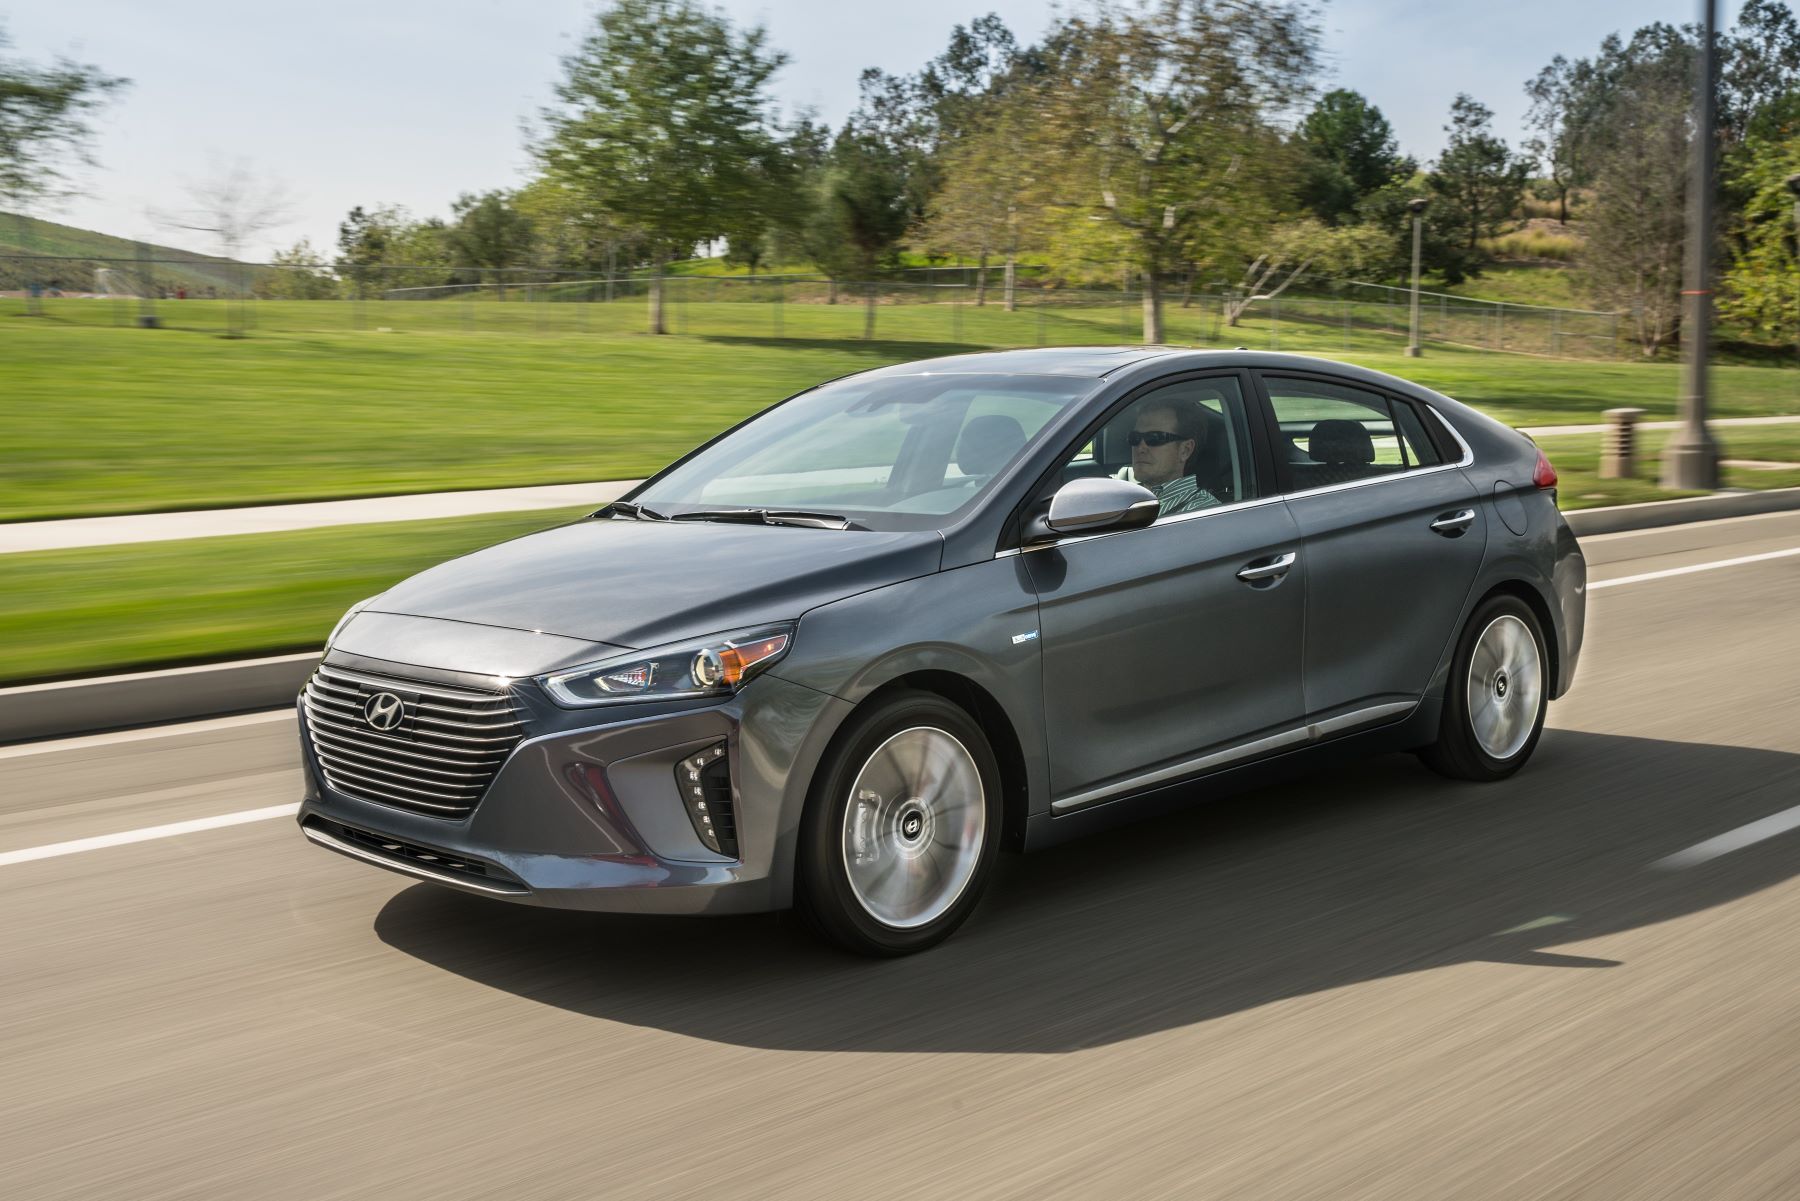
(714,666)
(345,619)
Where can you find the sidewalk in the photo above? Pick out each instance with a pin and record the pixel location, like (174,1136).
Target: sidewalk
(20,536)
(268,519)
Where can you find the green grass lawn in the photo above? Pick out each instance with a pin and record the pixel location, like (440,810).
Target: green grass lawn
(105,418)
(115,608)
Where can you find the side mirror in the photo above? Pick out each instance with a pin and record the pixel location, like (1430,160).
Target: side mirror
(1090,506)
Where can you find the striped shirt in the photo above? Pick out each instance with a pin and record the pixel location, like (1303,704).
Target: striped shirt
(1183,494)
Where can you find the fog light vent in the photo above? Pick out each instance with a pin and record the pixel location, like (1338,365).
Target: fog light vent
(705,783)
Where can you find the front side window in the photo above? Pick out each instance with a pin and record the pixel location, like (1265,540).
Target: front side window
(1186,442)
(1335,434)
(886,451)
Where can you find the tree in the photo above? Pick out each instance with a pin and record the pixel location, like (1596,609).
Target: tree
(1637,146)
(300,274)
(44,115)
(234,206)
(920,118)
(988,202)
(44,122)
(1478,180)
(859,211)
(1157,108)
(1762,283)
(1348,151)
(1562,100)
(570,232)
(1301,248)
(773,203)
(1439,252)
(488,232)
(1759,65)
(664,113)
(365,240)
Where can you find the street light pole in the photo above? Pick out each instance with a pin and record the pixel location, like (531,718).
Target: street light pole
(1691,459)
(1416,207)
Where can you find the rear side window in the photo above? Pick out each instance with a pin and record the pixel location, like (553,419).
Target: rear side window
(1335,434)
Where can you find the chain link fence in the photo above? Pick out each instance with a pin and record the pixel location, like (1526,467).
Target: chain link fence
(943,307)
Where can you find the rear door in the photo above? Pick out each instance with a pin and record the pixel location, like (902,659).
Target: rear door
(1393,536)
(1181,640)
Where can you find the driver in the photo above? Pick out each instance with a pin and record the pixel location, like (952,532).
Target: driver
(1163,440)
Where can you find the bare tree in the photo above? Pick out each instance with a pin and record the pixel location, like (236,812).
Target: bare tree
(232,205)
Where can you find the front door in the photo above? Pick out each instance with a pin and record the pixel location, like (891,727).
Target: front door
(1170,648)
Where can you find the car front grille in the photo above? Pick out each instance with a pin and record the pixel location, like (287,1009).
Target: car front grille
(439,750)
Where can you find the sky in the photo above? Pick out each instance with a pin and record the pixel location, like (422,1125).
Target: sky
(339,103)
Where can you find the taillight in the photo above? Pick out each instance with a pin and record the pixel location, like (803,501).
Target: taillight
(1543,475)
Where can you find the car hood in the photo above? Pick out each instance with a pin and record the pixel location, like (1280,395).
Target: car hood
(636,584)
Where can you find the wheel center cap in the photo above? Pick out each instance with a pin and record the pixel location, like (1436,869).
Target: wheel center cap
(912,826)
(1501,685)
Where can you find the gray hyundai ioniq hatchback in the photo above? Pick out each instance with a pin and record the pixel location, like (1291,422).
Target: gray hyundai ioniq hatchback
(842,654)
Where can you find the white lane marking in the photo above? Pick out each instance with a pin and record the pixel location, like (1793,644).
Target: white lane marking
(1594,585)
(88,741)
(147,834)
(1732,840)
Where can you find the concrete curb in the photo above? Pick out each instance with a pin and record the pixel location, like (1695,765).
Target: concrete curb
(150,697)
(57,710)
(1617,519)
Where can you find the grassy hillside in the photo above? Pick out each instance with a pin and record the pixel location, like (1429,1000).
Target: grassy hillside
(32,236)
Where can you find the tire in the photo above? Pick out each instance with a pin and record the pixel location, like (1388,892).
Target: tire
(1496,697)
(901,828)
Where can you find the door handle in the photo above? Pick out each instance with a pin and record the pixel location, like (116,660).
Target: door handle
(1273,569)
(1452,524)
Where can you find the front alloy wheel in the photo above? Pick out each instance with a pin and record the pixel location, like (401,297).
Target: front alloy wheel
(902,827)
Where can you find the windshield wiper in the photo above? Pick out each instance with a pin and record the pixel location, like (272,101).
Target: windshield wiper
(816,521)
(634,511)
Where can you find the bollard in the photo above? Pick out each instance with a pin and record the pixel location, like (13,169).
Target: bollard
(1618,453)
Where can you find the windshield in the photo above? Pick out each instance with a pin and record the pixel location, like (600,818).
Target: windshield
(888,452)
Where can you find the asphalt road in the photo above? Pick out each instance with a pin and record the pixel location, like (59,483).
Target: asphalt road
(1367,984)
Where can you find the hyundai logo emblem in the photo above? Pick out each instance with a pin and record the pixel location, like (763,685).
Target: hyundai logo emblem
(384,710)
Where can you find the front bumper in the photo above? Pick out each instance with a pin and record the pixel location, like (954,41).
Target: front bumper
(587,816)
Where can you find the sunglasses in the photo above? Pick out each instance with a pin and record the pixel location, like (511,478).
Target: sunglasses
(1152,437)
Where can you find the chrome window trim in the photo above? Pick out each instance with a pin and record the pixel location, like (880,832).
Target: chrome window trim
(1300,735)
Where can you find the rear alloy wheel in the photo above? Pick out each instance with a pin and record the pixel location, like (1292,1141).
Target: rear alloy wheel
(1495,700)
(902,828)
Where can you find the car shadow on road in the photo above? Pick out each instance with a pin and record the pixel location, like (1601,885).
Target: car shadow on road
(1331,880)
